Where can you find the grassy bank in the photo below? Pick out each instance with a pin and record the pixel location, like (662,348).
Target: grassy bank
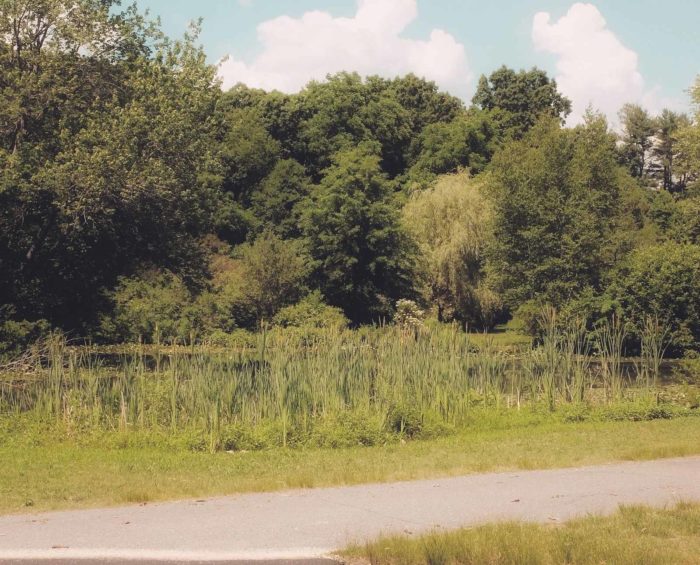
(300,409)
(40,474)
(634,535)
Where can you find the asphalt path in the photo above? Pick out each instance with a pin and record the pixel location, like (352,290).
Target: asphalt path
(305,526)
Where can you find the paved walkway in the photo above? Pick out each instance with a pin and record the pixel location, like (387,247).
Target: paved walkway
(307,524)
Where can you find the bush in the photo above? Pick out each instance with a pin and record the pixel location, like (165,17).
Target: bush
(409,317)
(311,312)
(348,429)
(662,281)
(17,335)
(237,339)
(527,319)
(405,420)
(634,413)
(275,273)
(155,307)
(224,306)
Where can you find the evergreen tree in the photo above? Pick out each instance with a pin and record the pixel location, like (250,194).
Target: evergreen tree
(362,257)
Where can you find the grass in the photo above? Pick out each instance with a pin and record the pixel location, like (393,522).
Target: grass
(501,339)
(45,475)
(81,430)
(304,389)
(634,535)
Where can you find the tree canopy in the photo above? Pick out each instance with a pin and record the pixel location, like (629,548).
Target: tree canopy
(139,200)
(520,99)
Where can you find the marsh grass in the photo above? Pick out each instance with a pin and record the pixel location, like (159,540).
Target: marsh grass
(335,387)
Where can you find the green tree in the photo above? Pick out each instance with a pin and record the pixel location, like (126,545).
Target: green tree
(689,229)
(248,153)
(468,142)
(274,274)
(424,102)
(104,167)
(665,150)
(333,121)
(452,224)
(638,130)
(362,257)
(688,160)
(556,201)
(279,202)
(663,281)
(520,99)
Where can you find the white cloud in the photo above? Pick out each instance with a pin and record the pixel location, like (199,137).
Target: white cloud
(297,50)
(593,65)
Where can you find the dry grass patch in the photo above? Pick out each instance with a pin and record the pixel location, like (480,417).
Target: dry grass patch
(634,535)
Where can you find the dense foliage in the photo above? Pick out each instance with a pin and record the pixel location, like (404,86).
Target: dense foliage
(139,201)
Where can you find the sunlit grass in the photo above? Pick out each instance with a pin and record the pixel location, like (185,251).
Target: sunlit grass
(633,536)
(43,475)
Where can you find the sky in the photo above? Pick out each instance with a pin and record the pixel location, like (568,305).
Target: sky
(603,53)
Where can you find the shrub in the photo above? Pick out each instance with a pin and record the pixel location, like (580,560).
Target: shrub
(237,339)
(527,319)
(17,335)
(405,420)
(224,306)
(661,281)
(311,312)
(348,429)
(408,315)
(275,273)
(155,306)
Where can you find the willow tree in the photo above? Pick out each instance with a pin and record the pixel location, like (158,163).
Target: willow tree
(452,223)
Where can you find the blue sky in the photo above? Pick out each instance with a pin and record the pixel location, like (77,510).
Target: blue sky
(651,47)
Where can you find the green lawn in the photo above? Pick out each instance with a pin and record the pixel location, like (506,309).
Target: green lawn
(633,536)
(47,476)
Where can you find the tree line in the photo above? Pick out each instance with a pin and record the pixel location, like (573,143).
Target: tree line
(139,201)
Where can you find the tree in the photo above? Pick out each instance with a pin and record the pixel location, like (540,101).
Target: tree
(665,150)
(105,154)
(363,260)
(520,99)
(274,274)
(638,129)
(662,281)
(556,200)
(689,141)
(688,226)
(451,222)
(424,102)
(468,142)
(248,153)
(333,121)
(279,202)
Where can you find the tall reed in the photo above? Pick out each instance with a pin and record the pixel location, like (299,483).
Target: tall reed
(299,379)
